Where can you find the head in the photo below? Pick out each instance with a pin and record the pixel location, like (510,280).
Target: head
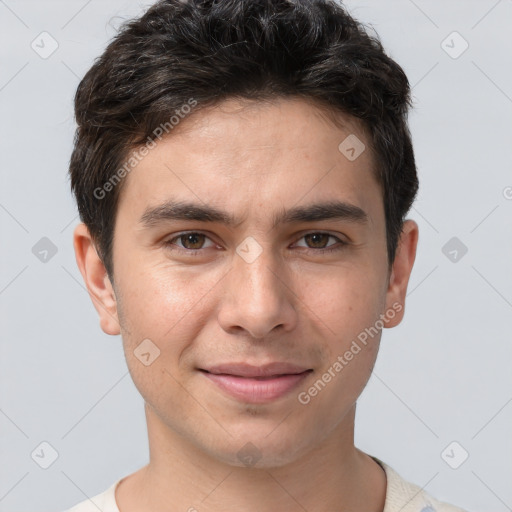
(268,132)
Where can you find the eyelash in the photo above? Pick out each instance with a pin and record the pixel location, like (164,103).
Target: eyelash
(196,252)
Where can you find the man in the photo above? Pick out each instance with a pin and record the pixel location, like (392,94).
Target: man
(242,171)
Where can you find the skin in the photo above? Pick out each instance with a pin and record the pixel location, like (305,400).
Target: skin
(293,303)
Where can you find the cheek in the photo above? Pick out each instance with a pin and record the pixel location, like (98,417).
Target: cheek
(350,350)
(343,301)
(158,316)
(167,307)
(157,299)
(345,306)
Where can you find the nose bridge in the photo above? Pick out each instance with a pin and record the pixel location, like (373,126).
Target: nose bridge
(262,284)
(258,300)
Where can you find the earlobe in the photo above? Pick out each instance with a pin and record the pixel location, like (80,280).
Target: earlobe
(96,280)
(400,273)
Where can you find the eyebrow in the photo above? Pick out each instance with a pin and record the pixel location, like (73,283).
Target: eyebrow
(173,210)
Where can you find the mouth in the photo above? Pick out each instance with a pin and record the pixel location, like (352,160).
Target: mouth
(256,384)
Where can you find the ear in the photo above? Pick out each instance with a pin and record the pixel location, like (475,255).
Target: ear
(400,272)
(96,280)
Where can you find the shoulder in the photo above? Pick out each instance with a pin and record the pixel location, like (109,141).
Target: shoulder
(104,501)
(405,496)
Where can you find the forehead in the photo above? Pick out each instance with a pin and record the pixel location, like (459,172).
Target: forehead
(247,153)
(279,123)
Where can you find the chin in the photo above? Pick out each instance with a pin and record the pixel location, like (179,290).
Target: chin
(262,448)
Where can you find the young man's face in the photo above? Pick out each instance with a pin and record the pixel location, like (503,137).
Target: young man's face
(299,292)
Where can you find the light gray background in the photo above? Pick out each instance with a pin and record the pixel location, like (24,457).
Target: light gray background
(443,375)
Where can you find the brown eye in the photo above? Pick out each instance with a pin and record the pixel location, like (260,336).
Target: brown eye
(190,241)
(318,240)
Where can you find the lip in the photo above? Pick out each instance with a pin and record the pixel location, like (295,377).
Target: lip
(256,384)
(249,370)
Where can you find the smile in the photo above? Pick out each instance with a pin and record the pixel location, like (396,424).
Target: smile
(256,388)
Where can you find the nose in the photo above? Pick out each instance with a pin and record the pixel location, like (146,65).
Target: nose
(258,297)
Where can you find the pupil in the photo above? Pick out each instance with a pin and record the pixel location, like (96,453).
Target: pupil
(317,236)
(192,239)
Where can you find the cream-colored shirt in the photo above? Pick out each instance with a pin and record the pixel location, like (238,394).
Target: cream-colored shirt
(401,496)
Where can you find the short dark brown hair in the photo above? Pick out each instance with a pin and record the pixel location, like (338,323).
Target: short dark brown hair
(208,51)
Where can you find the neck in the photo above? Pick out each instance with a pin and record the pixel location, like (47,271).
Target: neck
(332,476)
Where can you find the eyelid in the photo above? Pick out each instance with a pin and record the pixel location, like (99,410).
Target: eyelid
(340,244)
(175,236)
(330,235)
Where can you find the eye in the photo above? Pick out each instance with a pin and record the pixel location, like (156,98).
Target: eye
(191,241)
(318,240)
